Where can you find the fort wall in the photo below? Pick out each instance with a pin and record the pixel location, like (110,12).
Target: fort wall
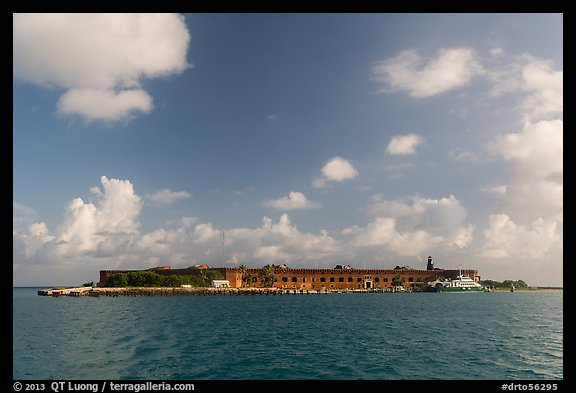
(317,279)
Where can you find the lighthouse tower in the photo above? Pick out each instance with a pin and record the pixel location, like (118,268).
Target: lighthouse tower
(430,265)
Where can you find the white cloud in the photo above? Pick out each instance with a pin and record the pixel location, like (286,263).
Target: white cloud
(442,214)
(540,84)
(382,232)
(37,235)
(546,87)
(337,169)
(528,221)
(414,226)
(88,224)
(166,197)
(504,238)
(535,156)
(294,200)
(99,59)
(404,144)
(450,69)
(93,104)
(106,234)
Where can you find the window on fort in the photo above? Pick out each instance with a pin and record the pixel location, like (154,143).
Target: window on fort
(303,279)
(322,279)
(385,279)
(294,279)
(377,279)
(350,279)
(284,279)
(341,279)
(313,279)
(410,279)
(331,279)
(359,279)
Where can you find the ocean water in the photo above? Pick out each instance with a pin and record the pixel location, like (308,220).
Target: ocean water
(375,336)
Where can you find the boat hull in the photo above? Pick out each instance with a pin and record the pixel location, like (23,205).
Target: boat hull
(456,289)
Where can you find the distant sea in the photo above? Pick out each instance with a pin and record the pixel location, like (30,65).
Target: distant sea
(374,336)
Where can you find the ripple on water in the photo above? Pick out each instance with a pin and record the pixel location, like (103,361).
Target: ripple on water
(346,336)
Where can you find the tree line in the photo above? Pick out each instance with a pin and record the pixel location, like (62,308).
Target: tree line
(147,278)
(506,284)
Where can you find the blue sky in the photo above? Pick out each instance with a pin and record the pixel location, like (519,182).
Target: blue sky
(309,139)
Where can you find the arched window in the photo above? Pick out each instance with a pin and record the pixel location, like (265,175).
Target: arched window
(322,279)
(284,279)
(359,279)
(350,279)
(341,279)
(377,279)
(294,279)
(331,279)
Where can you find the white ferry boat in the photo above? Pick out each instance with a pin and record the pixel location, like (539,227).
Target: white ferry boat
(460,284)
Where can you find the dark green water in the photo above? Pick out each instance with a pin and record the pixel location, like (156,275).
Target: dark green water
(336,336)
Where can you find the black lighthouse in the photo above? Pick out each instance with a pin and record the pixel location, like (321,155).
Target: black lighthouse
(430,265)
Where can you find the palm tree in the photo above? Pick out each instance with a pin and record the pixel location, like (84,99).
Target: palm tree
(242,270)
(247,279)
(268,274)
(397,280)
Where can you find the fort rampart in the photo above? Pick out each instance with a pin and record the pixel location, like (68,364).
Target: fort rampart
(316,279)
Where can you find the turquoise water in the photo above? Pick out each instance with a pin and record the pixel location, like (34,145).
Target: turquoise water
(398,336)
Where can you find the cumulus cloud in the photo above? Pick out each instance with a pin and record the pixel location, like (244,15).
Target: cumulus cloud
(92,104)
(99,59)
(166,197)
(404,144)
(89,227)
(294,200)
(337,169)
(106,234)
(504,238)
(540,84)
(450,69)
(382,232)
(528,221)
(535,157)
(413,226)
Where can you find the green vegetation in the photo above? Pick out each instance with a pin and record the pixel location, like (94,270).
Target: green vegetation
(397,280)
(506,284)
(146,278)
(268,275)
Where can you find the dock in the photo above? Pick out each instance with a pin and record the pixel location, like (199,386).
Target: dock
(194,291)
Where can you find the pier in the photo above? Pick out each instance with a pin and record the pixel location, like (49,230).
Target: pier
(196,291)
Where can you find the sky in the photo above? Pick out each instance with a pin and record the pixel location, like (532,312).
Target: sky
(313,140)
